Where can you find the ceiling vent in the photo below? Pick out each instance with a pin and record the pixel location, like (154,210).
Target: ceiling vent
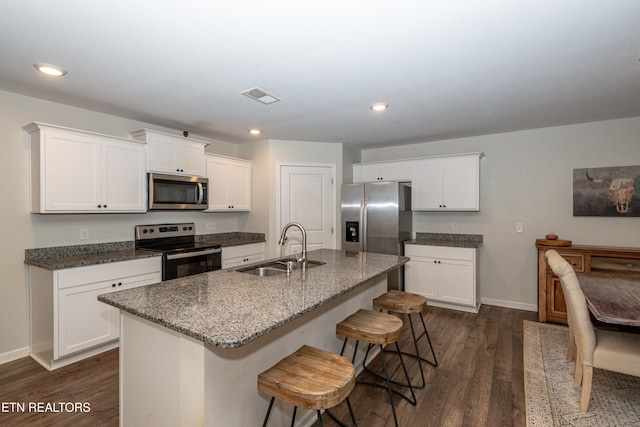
(261,96)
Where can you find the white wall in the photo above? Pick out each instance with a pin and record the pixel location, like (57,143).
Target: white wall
(22,230)
(266,156)
(527,177)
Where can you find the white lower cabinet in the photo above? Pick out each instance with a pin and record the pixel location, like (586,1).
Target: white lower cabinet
(68,323)
(235,256)
(445,275)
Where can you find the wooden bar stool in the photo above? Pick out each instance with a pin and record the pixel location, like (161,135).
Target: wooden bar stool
(310,378)
(376,328)
(407,303)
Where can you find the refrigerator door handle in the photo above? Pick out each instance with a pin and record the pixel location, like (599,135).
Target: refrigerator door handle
(363,227)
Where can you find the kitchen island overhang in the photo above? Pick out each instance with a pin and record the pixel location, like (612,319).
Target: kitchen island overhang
(191,348)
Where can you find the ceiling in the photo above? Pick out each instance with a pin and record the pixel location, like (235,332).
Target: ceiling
(447,68)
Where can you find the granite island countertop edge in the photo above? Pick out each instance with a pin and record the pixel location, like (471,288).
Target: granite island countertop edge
(172,313)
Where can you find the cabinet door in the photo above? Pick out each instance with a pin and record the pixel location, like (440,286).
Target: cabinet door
(83,321)
(395,171)
(123,179)
(164,154)
(461,188)
(370,173)
(239,183)
(192,160)
(229,184)
(446,183)
(421,277)
(71,172)
(426,184)
(217,172)
(387,171)
(457,281)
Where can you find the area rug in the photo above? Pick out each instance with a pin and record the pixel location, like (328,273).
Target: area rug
(551,397)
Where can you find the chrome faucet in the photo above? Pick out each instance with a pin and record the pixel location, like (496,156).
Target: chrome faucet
(283,237)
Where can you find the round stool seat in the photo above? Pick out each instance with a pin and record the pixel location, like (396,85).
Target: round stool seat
(309,378)
(371,326)
(400,302)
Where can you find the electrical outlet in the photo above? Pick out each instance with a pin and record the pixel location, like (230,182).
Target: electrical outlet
(211,226)
(519,227)
(454,225)
(84,234)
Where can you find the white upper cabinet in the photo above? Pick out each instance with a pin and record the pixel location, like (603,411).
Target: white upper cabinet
(81,172)
(384,171)
(229,184)
(446,183)
(172,154)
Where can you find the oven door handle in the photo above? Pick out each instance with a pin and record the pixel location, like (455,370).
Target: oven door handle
(194,254)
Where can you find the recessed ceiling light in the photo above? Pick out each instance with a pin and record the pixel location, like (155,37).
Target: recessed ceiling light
(255,131)
(380,106)
(50,70)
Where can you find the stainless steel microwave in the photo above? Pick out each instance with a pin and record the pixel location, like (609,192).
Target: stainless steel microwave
(176,192)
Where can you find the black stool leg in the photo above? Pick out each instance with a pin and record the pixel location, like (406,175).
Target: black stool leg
(353,417)
(319,417)
(435,359)
(293,419)
(340,423)
(266,418)
(413,401)
(415,345)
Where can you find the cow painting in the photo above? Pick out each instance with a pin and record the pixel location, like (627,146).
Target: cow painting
(621,190)
(606,191)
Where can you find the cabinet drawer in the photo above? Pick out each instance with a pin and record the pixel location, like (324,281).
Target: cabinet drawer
(242,250)
(235,256)
(576,261)
(107,272)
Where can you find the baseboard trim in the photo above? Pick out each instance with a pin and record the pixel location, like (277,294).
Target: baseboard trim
(12,355)
(510,304)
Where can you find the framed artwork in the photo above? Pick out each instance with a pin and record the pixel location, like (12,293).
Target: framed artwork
(607,191)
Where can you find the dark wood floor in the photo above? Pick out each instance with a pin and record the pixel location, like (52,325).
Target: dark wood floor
(479,380)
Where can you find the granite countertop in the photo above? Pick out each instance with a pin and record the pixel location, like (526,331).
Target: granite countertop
(228,309)
(60,257)
(231,239)
(445,239)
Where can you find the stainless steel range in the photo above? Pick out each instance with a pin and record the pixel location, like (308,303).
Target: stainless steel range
(181,254)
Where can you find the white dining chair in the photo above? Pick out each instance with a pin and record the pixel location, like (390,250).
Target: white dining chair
(596,348)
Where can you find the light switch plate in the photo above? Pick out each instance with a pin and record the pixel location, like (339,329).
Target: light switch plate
(519,227)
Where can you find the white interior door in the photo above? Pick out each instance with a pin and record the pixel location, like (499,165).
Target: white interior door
(307,196)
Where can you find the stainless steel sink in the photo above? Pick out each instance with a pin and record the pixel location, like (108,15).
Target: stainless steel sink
(275,268)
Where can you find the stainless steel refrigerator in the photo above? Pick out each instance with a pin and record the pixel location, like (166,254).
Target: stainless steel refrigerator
(376,217)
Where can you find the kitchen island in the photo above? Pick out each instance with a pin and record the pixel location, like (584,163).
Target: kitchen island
(191,348)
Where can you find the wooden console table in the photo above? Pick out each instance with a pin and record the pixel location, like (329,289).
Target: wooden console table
(612,260)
